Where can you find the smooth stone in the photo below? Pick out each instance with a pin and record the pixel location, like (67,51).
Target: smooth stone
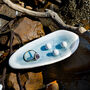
(6,14)
(12,82)
(52,86)
(48,46)
(64,44)
(28,30)
(55,52)
(34,82)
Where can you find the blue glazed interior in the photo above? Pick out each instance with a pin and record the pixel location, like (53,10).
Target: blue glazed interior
(46,55)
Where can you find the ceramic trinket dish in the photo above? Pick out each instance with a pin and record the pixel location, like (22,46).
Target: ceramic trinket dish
(46,50)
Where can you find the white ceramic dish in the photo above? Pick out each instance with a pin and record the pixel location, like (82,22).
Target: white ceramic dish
(16,61)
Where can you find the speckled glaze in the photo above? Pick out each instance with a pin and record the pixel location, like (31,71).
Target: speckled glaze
(46,56)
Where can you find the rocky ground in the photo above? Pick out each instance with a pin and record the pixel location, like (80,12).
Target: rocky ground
(71,74)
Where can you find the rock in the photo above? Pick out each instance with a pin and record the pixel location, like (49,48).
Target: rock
(47,22)
(12,82)
(28,30)
(86,24)
(23,79)
(1,1)
(28,7)
(29,80)
(82,30)
(6,14)
(52,86)
(35,81)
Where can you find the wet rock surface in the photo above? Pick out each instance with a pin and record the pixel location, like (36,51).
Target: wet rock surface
(52,86)
(12,81)
(34,82)
(28,30)
(1,1)
(6,14)
(29,81)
